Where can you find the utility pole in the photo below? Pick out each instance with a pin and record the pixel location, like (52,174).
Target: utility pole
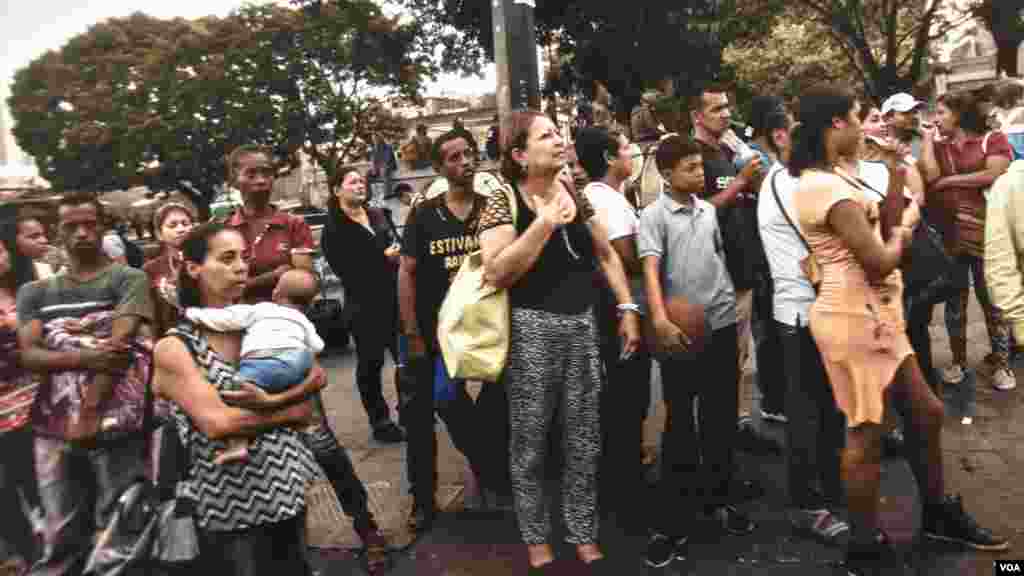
(515,55)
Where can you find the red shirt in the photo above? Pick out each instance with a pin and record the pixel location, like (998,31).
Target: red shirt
(969,155)
(272,246)
(159,271)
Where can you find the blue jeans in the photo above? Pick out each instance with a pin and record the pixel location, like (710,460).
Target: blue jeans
(277,373)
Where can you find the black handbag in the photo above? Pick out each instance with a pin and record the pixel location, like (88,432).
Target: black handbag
(324,309)
(928,270)
(150,532)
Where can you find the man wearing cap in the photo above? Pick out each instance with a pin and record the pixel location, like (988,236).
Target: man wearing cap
(901,113)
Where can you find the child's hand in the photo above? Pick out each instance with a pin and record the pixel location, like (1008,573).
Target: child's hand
(250,396)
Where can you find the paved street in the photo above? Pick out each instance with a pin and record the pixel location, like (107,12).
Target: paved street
(982,462)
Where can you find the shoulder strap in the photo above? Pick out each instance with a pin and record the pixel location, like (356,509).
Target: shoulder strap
(984,143)
(858,183)
(778,201)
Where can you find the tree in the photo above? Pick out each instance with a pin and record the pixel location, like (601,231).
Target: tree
(785,61)
(1005,19)
(886,43)
(140,100)
(338,62)
(622,45)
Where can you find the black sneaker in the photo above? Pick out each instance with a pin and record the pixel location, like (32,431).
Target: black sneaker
(388,433)
(681,549)
(949,522)
(749,440)
(660,551)
(893,443)
(734,521)
(421,519)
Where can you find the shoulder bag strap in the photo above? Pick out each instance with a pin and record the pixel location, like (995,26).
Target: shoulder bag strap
(778,201)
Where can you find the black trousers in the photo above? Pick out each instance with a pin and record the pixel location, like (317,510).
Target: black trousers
(374,332)
(17,481)
(337,466)
(268,550)
(697,456)
(768,356)
(625,400)
(919,316)
(479,431)
(816,431)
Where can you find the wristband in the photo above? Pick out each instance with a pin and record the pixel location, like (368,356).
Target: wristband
(628,307)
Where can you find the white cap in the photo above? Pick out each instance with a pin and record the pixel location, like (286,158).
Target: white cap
(901,102)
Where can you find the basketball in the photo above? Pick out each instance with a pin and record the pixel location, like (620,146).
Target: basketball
(689,318)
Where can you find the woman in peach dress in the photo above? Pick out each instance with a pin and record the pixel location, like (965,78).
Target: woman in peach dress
(857,323)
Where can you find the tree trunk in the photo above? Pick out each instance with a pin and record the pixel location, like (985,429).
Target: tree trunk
(1006,57)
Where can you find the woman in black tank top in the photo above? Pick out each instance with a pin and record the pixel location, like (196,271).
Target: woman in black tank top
(544,250)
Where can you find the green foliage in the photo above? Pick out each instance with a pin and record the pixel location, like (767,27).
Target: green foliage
(140,100)
(882,46)
(624,45)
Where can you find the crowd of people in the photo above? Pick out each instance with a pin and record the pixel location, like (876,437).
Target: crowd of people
(793,250)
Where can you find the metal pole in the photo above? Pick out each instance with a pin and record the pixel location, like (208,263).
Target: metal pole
(515,56)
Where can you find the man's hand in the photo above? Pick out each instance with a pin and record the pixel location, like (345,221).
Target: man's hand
(629,333)
(911,216)
(107,357)
(417,346)
(671,339)
(392,253)
(751,169)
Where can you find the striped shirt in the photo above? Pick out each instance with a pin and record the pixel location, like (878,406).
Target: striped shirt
(119,289)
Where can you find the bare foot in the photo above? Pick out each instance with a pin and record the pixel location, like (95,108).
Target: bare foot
(540,554)
(238,453)
(587,553)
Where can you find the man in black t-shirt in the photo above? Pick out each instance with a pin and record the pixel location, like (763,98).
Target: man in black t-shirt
(439,234)
(733,193)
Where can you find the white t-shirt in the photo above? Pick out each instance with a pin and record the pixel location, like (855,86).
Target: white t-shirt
(268,326)
(621,220)
(784,249)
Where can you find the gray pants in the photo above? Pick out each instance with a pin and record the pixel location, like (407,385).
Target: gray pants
(554,366)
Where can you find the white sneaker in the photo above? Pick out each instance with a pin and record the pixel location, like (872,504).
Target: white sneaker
(953,375)
(1004,380)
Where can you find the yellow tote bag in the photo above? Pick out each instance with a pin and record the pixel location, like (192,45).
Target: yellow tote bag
(473,325)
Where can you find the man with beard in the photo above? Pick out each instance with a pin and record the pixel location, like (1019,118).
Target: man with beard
(83,424)
(440,232)
(902,113)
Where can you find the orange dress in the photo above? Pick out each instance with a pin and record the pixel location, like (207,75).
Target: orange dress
(859,327)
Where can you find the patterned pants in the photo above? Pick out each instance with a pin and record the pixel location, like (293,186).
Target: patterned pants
(79,488)
(554,367)
(956,316)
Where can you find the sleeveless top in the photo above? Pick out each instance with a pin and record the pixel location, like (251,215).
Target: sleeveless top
(562,278)
(270,487)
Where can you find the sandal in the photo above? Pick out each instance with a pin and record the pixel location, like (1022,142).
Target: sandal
(376,553)
(542,570)
(821,525)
